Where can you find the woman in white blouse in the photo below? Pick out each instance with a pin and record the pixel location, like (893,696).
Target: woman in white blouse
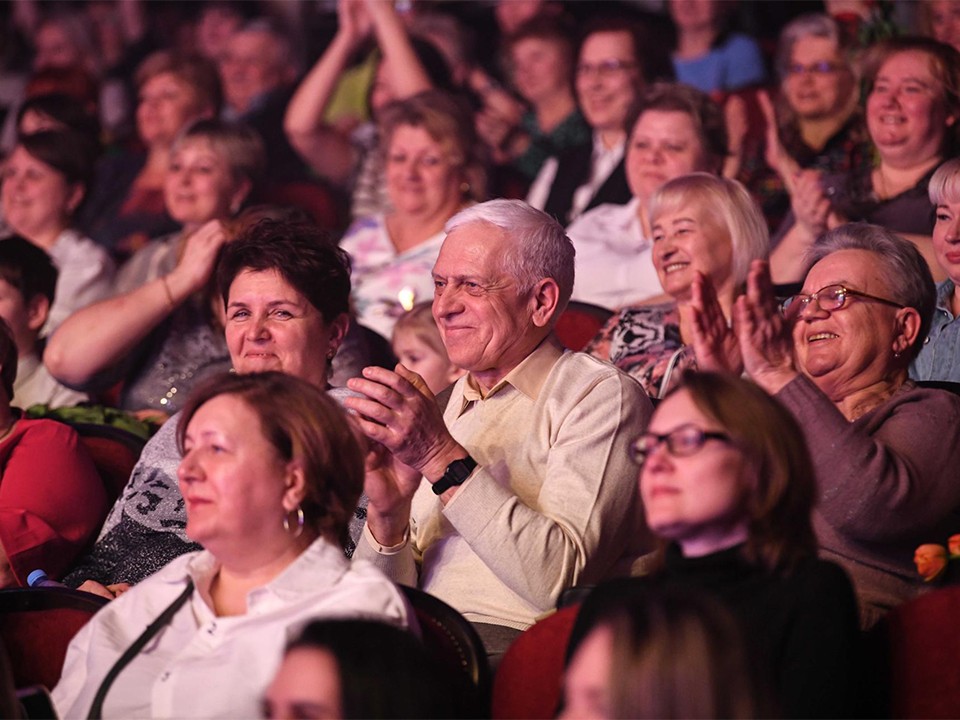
(271,473)
(433,171)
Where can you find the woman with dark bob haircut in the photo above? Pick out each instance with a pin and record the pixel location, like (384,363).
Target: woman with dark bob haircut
(727,485)
(271,472)
(285,291)
(362,669)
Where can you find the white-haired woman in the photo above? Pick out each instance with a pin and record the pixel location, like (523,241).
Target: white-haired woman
(702,226)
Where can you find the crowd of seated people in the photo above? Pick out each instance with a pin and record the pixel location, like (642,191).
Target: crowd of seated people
(746,454)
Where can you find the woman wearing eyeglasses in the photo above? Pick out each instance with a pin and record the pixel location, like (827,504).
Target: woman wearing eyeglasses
(813,123)
(912,111)
(885,451)
(726,484)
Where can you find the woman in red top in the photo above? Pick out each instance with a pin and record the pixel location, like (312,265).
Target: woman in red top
(52,500)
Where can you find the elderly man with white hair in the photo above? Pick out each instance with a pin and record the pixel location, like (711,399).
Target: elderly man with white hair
(523,486)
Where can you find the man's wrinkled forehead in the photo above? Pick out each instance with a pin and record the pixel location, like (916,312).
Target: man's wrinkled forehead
(472,247)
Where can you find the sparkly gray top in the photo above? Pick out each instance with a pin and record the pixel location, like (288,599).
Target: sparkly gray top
(181,350)
(146,527)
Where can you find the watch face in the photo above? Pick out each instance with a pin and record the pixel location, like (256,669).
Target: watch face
(459,470)
(456,474)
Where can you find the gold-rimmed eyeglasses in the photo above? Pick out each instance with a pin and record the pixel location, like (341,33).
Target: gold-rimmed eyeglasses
(829,298)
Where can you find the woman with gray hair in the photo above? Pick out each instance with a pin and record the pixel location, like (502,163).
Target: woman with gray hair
(837,356)
(939,359)
(703,226)
(814,121)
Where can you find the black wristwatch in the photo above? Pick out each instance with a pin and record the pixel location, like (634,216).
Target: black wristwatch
(456,474)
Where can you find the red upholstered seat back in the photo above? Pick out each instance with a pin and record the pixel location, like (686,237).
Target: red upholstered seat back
(313,198)
(453,642)
(36,626)
(924,637)
(114,453)
(579,323)
(530,677)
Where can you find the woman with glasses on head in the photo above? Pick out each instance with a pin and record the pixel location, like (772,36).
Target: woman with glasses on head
(885,451)
(726,484)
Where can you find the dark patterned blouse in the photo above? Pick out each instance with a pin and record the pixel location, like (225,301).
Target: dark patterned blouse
(645,343)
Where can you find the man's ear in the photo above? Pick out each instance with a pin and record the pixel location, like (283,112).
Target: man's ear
(38,310)
(908,320)
(545,298)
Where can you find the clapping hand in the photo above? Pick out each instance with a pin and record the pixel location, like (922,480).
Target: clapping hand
(775,154)
(390,486)
(399,412)
(764,337)
(353,21)
(715,344)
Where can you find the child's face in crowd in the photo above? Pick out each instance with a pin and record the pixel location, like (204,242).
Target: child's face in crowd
(416,355)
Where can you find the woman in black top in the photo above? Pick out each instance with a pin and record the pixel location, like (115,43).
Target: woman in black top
(727,484)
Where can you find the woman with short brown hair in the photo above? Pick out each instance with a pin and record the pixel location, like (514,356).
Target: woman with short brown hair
(271,472)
